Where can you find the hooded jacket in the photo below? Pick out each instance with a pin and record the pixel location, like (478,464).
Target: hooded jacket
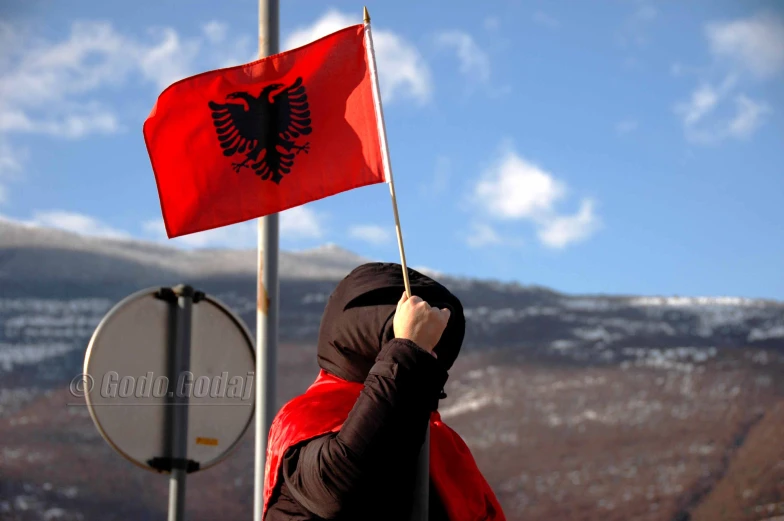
(347,448)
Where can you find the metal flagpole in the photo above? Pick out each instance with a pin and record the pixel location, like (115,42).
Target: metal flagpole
(267,294)
(421,503)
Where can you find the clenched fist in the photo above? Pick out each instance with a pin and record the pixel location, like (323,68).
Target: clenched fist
(417,321)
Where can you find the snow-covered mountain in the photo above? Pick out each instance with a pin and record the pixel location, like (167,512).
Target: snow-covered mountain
(644,398)
(55,286)
(46,261)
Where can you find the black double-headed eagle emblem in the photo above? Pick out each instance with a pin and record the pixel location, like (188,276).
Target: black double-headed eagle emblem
(265,128)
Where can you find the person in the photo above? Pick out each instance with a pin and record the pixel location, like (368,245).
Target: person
(347,448)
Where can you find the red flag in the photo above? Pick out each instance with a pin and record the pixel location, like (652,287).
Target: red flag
(234,144)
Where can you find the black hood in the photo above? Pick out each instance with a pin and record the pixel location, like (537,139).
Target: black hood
(357,320)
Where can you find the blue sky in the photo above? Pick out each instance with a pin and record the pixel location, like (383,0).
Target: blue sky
(629,147)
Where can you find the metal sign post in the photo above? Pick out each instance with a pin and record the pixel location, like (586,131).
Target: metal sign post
(177,410)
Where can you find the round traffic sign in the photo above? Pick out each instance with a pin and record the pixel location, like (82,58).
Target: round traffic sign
(129,385)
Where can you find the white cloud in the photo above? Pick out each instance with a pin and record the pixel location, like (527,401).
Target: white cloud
(371,233)
(154,227)
(237,236)
(55,88)
(293,225)
(215,31)
(10,165)
(168,61)
(516,189)
(755,44)
(748,49)
(301,222)
(40,71)
(474,62)
(480,234)
(332,21)
(546,20)
(703,101)
(49,88)
(626,126)
(424,270)
(41,80)
(296,223)
(703,126)
(240,51)
(402,72)
(74,222)
(748,117)
(9,159)
(562,230)
(83,120)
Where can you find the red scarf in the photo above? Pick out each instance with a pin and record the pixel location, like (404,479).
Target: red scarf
(325,406)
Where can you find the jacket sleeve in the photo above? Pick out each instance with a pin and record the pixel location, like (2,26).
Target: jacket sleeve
(401,390)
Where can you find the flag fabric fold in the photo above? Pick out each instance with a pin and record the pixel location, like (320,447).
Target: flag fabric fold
(239,143)
(461,487)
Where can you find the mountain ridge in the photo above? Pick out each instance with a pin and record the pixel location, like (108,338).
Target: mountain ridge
(638,395)
(326,262)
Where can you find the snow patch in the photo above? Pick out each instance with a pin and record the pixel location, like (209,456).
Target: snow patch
(756,333)
(15,354)
(472,401)
(694,301)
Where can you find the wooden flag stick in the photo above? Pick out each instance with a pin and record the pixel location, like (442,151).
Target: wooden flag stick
(400,238)
(382,131)
(421,501)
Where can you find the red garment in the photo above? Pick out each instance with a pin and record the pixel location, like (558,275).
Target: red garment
(238,143)
(324,407)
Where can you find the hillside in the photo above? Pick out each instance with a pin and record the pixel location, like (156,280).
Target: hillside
(753,486)
(588,407)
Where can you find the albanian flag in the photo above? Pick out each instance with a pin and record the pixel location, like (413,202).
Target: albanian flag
(234,144)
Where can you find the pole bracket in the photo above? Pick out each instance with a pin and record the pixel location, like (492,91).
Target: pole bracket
(166,294)
(172,294)
(164,464)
